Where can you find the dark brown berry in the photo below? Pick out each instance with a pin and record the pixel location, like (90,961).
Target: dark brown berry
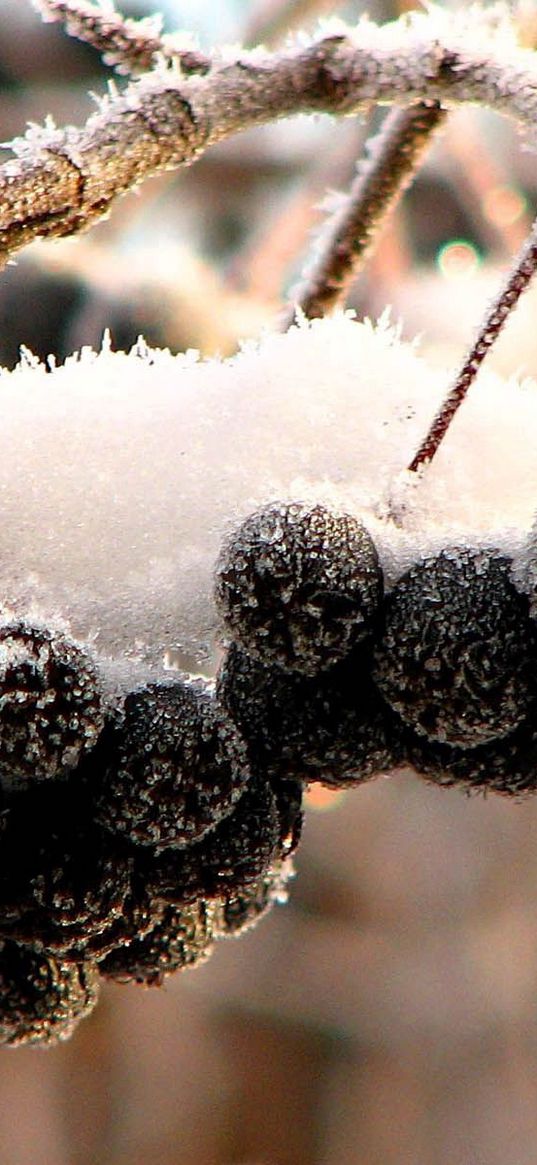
(50,704)
(42,999)
(229,859)
(507,767)
(457,660)
(242,911)
(299,586)
(173,766)
(62,882)
(333,728)
(179,939)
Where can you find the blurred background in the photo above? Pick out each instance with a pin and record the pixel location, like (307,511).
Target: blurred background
(387,1015)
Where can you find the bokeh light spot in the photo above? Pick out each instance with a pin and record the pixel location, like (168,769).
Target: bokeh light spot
(458,259)
(320,799)
(504,205)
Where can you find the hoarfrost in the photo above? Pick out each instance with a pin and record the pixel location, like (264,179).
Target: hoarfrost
(120,474)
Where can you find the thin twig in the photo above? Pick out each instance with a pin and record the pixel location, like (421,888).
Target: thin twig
(63,180)
(394,156)
(131,46)
(501,308)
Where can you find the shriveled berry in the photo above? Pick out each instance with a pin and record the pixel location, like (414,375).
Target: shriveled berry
(229,859)
(333,728)
(458,658)
(299,586)
(179,939)
(241,912)
(173,766)
(50,704)
(42,999)
(62,881)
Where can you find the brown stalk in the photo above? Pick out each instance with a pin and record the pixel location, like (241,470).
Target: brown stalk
(394,156)
(516,283)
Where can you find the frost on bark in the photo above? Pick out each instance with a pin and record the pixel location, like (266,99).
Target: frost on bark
(62,180)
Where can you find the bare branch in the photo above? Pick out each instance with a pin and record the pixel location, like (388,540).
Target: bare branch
(62,180)
(131,46)
(394,156)
(497,314)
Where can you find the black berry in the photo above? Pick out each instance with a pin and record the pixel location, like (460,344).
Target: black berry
(231,858)
(179,939)
(457,660)
(50,704)
(333,728)
(173,766)
(42,999)
(242,911)
(298,585)
(62,883)
(507,767)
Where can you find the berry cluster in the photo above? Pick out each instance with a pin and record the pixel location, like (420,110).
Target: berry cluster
(135,833)
(132,836)
(329,679)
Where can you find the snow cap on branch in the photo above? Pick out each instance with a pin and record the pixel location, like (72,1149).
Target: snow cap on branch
(121,474)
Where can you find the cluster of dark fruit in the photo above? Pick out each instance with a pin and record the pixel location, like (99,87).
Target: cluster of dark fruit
(133,837)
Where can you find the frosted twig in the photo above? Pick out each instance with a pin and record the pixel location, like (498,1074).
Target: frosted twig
(131,46)
(63,180)
(271,20)
(489,331)
(394,156)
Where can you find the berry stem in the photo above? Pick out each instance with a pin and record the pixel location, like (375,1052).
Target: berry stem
(394,155)
(501,307)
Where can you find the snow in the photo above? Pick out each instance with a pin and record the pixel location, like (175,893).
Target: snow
(120,474)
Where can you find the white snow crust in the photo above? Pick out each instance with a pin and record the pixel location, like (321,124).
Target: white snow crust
(120,474)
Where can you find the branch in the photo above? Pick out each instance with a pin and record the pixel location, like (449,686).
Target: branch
(63,180)
(516,283)
(394,156)
(131,46)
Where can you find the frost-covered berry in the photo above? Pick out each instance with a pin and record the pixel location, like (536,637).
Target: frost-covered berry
(507,766)
(458,658)
(299,585)
(179,939)
(173,766)
(231,858)
(242,911)
(42,999)
(63,882)
(50,704)
(333,728)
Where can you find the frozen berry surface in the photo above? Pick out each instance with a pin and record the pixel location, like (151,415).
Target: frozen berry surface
(42,999)
(458,657)
(50,704)
(333,727)
(299,585)
(172,766)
